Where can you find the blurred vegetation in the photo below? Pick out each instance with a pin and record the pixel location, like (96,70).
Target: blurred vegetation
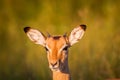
(95,57)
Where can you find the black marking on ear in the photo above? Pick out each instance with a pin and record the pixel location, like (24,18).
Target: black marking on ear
(83,26)
(26,29)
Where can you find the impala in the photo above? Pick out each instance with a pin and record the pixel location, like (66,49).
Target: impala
(57,49)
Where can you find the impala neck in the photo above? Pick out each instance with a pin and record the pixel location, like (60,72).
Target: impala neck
(63,75)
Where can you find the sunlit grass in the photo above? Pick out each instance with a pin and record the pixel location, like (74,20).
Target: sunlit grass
(95,57)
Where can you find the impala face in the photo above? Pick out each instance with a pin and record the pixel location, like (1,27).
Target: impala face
(57,52)
(56,46)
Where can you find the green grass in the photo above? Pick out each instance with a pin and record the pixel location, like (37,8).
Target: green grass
(95,57)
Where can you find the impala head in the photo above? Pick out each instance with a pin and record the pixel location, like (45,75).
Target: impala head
(56,46)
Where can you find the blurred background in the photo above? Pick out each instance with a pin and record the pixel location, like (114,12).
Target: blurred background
(95,57)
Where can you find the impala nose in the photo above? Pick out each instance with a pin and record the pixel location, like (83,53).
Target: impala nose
(54,64)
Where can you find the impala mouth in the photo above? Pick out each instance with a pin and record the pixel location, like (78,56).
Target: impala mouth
(55,68)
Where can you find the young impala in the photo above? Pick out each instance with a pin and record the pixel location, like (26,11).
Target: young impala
(57,49)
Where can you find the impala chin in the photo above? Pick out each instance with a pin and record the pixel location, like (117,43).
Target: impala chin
(55,69)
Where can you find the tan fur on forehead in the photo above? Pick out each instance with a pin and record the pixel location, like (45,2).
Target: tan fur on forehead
(55,44)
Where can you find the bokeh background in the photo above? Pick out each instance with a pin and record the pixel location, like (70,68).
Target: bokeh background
(95,57)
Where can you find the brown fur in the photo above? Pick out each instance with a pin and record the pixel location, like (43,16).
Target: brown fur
(55,44)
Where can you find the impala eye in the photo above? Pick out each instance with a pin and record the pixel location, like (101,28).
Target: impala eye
(46,49)
(65,48)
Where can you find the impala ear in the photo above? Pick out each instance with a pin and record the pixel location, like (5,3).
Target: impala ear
(34,35)
(76,34)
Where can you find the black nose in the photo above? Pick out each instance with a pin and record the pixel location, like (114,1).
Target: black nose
(53,64)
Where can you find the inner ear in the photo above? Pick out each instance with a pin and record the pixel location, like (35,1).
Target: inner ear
(76,34)
(35,35)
